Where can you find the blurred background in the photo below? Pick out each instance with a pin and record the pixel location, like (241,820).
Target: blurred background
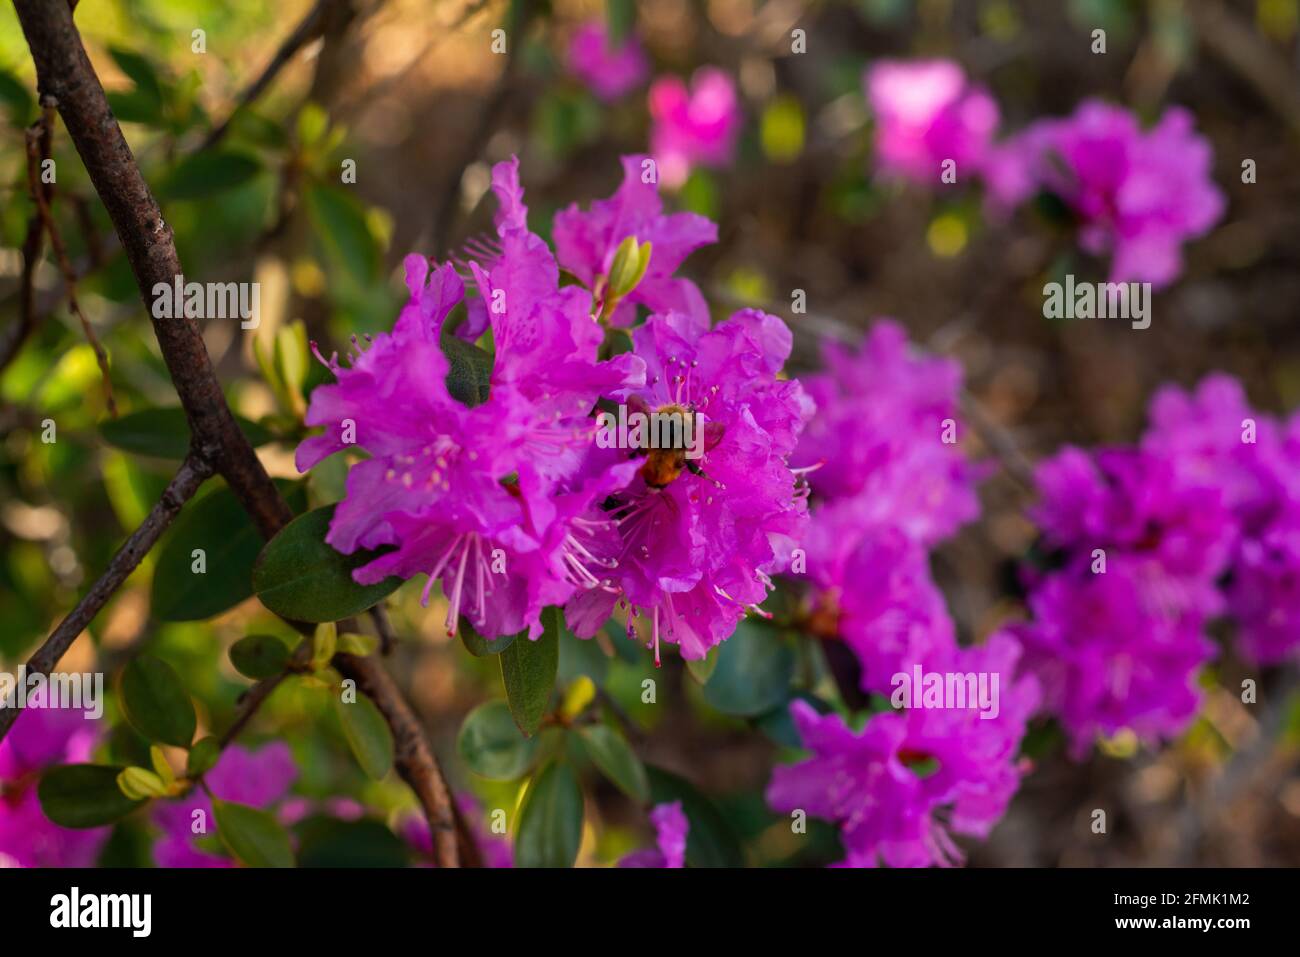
(412,92)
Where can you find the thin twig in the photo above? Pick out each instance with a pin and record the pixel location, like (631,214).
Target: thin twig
(38,151)
(181,489)
(324,16)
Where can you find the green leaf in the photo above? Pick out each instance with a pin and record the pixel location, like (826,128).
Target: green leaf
(156,703)
(339,220)
(217,524)
(490,744)
(616,760)
(140,71)
(528,670)
(754,671)
(203,757)
(253,836)
(133,106)
(710,841)
(329,842)
(550,824)
(164,432)
(324,643)
(259,656)
(83,795)
(470,373)
(481,647)
(209,173)
(17,97)
(300,577)
(367,733)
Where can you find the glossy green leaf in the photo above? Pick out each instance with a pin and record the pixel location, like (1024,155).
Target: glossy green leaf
(253,836)
(610,752)
(339,220)
(301,578)
(83,795)
(218,524)
(367,734)
(156,703)
(329,842)
(164,432)
(528,670)
(481,647)
(550,823)
(753,674)
(491,745)
(259,656)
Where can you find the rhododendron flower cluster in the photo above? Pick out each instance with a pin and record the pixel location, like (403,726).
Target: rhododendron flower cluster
(608,70)
(926,113)
(1136,195)
(511,504)
(1152,543)
(889,483)
(910,779)
(693,126)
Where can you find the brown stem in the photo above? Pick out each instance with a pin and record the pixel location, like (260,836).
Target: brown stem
(181,489)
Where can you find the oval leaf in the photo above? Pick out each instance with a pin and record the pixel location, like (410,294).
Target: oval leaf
(156,703)
(203,757)
(165,432)
(616,760)
(259,656)
(218,525)
(368,734)
(491,745)
(208,173)
(253,836)
(300,577)
(753,674)
(528,670)
(550,824)
(83,795)
(481,647)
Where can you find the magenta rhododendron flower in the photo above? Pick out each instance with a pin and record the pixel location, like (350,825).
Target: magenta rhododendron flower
(1139,195)
(695,126)
(926,113)
(585,244)
(609,71)
(883,435)
(41,739)
(488,500)
(671,828)
(696,545)
(1213,436)
(258,779)
(910,779)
